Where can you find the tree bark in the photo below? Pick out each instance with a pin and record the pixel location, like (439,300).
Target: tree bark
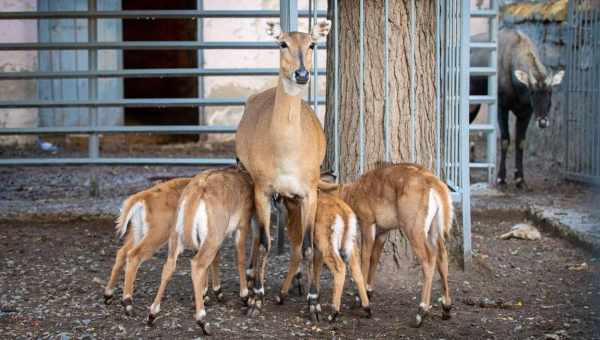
(399,85)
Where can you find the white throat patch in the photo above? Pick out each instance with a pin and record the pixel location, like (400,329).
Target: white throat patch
(292,88)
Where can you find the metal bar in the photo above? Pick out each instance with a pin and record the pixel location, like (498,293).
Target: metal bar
(159,102)
(150,14)
(175,129)
(122,161)
(288,13)
(438,16)
(444,70)
(147,73)
(202,117)
(315,82)
(569,71)
(94,142)
(493,91)
(464,124)
(144,45)
(336,90)
(289,23)
(361,90)
(413,82)
(386,85)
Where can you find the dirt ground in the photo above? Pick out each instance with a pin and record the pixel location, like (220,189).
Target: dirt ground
(52,275)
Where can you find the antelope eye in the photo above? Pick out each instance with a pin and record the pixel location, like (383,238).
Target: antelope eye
(283,44)
(312,46)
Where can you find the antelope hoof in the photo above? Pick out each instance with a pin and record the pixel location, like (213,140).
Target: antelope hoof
(298,280)
(333,317)
(314,308)
(128,304)
(219,294)
(370,293)
(108,299)
(520,183)
(256,305)
(446,311)
(501,183)
(357,302)
(204,326)
(368,313)
(314,311)
(151,318)
(280,298)
(245,300)
(421,314)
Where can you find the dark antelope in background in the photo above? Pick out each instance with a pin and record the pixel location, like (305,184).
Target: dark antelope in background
(524,87)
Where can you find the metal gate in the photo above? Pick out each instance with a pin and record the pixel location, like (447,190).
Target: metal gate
(582,119)
(88,15)
(452,99)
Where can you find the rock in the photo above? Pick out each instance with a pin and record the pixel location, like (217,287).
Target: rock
(579,267)
(522,231)
(551,336)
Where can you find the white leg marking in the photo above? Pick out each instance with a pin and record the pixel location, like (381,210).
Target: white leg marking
(216,288)
(200,315)
(155,308)
(109,291)
(244,292)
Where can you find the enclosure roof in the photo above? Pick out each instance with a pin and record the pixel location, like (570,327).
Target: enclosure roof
(555,10)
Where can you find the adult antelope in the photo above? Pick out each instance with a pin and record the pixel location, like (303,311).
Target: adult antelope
(281,143)
(524,88)
(410,198)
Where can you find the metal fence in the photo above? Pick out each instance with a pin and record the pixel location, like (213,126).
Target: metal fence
(452,93)
(92,74)
(582,119)
(452,98)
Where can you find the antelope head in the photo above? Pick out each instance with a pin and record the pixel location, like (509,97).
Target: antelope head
(296,54)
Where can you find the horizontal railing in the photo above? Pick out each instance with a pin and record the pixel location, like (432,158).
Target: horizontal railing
(145,73)
(148,14)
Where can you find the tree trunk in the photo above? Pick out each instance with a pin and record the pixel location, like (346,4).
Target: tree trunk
(399,90)
(399,85)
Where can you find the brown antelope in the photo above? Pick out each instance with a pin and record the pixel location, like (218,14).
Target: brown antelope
(215,204)
(335,245)
(410,198)
(281,143)
(146,219)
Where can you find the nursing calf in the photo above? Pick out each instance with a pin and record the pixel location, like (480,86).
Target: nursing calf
(146,221)
(409,198)
(215,203)
(334,245)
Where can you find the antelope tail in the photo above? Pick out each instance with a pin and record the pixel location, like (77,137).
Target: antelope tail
(440,214)
(133,208)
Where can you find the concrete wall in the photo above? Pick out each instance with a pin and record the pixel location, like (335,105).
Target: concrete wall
(12,61)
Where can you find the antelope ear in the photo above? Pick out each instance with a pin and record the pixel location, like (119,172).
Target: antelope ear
(522,77)
(556,78)
(320,30)
(274,29)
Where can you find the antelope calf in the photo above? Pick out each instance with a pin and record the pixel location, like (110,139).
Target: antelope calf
(146,221)
(335,245)
(215,204)
(410,198)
